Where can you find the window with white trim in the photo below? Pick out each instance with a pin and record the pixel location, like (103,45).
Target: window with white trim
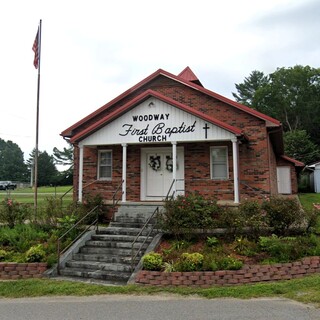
(105,165)
(219,163)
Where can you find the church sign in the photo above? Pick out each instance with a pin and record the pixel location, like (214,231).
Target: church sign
(158,131)
(156,121)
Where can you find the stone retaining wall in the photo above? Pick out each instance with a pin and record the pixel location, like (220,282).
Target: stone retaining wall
(14,271)
(248,274)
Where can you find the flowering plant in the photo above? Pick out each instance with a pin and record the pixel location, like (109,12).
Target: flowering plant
(13,212)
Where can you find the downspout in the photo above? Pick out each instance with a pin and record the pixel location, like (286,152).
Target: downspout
(80,182)
(174,168)
(269,161)
(235,154)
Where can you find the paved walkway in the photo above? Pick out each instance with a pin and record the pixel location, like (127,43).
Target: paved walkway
(162,307)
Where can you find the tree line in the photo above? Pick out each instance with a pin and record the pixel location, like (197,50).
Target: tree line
(13,166)
(292,96)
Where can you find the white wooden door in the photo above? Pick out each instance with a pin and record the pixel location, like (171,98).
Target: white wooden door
(284,180)
(158,177)
(157,167)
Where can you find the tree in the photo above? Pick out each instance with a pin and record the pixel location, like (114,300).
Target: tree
(299,146)
(12,166)
(47,171)
(248,88)
(291,95)
(64,158)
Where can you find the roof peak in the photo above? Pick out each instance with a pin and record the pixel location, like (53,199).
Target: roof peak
(188,75)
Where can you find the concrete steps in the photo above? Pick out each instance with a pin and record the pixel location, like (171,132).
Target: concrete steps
(107,254)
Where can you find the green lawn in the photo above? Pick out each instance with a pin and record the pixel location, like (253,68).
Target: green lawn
(305,290)
(308,199)
(26,195)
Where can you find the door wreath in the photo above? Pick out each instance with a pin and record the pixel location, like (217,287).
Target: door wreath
(155,163)
(169,163)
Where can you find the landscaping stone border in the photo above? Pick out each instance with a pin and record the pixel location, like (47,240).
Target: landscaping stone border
(14,271)
(247,274)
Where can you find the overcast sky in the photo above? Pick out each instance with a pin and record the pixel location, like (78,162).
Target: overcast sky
(94,50)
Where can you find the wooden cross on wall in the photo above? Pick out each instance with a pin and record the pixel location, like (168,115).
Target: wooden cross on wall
(206,127)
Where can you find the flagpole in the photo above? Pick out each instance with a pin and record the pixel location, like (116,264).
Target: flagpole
(37,125)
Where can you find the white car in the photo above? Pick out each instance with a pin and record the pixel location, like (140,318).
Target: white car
(7,185)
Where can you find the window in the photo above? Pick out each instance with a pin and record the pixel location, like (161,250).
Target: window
(105,165)
(219,163)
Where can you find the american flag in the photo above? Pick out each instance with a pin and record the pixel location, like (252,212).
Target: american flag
(35,48)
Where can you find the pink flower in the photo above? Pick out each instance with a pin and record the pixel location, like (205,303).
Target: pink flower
(9,203)
(316,206)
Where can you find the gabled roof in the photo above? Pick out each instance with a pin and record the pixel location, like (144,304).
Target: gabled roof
(188,75)
(313,165)
(184,78)
(294,161)
(139,99)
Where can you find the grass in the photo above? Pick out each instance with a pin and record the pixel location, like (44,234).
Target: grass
(26,195)
(305,290)
(308,199)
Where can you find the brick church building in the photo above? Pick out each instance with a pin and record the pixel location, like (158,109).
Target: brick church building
(168,132)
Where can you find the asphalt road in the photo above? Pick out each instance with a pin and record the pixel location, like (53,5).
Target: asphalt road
(121,307)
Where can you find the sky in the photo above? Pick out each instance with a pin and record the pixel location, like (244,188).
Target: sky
(92,51)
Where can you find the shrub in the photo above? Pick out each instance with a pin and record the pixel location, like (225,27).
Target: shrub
(252,217)
(22,236)
(213,266)
(178,245)
(189,262)
(152,261)
(214,262)
(232,220)
(286,249)
(230,263)
(35,254)
(209,262)
(247,215)
(13,212)
(244,247)
(282,213)
(89,203)
(169,266)
(48,212)
(312,220)
(185,214)
(212,241)
(3,255)
(66,222)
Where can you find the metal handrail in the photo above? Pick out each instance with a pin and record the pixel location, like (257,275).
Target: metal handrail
(85,186)
(61,198)
(95,222)
(134,256)
(167,196)
(155,212)
(114,200)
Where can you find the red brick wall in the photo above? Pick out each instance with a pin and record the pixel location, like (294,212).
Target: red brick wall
(13,271)
(273,169)
(254,180)
(256,163)
(197,171)
(248,274)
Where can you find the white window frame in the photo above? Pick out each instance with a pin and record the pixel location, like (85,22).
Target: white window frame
(211,163)
(99,165)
